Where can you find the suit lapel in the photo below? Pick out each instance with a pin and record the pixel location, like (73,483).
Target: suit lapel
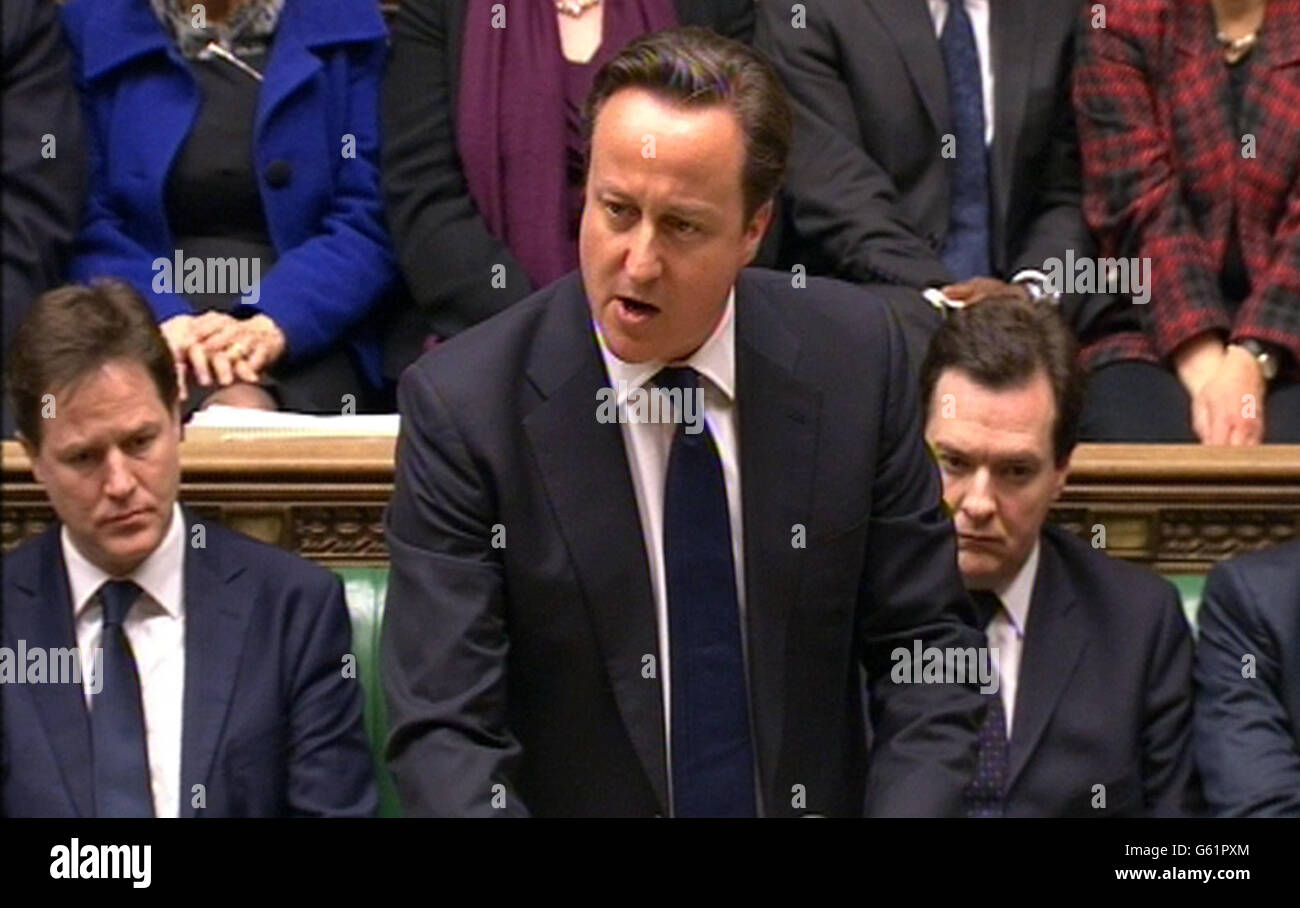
(595,505)
(1011,31)
(909,25)
(45,620)
(1054,639)
(218,603)
(777,419)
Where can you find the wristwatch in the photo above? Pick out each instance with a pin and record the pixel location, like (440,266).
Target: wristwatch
(1264,356)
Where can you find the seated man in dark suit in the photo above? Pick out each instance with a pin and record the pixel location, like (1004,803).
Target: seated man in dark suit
(935,152)
(1094,708)
(1247,674)
(649,522)
(200,673)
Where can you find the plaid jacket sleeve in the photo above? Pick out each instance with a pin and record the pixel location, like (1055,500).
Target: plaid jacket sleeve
(1272,311)
(1131,182)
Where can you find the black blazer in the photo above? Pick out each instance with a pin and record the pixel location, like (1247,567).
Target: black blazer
(1248,728)
(521,665)
(1104,695)
(444,248)
(42,196)
(270,724)
(867,196)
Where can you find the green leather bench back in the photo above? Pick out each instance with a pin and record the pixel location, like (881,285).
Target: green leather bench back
(365,589)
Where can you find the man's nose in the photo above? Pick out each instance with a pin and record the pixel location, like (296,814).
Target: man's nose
(119,480)
(642,263)
(978,503)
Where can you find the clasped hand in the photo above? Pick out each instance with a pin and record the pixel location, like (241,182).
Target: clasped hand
(221,349)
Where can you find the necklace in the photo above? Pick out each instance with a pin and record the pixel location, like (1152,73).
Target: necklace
(1236,49)
(574,8)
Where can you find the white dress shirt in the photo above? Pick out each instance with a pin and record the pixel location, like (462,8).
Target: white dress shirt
(1006,632)
(155,628)
(648,446)
(978,10)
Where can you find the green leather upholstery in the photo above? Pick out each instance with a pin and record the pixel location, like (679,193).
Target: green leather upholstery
(1189,587)
(365,589)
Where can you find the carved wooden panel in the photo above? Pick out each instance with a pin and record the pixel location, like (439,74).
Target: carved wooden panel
(1174,508)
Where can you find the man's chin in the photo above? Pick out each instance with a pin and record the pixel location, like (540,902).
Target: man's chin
(979,570)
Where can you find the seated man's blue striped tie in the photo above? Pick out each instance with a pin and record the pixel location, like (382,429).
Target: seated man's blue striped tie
(966,247)
(117,734)
(712,753)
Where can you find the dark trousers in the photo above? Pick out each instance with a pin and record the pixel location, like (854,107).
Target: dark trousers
(1139,402)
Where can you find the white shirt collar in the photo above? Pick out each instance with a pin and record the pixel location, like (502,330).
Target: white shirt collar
(159,575)
(1015,595)
(715,359)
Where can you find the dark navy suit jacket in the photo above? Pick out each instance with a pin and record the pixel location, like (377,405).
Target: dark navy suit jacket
(1104,695)
(323,210)
(524,666)
(1248,728)
(271,727)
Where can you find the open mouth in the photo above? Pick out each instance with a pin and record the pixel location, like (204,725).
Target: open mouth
(636,310)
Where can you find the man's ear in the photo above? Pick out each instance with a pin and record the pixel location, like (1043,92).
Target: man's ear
(756,229)
(1062,474)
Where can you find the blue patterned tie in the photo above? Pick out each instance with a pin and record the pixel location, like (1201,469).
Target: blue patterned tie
(712,757)
(966,247)
(985,793)
(117,716)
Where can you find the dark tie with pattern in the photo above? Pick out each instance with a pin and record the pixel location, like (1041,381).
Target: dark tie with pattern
(713,760)
(117,716)
(984,794)
(966,247)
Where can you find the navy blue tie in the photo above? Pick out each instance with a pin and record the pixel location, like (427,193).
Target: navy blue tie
(966,247)
(712,757)
(985,793)
(117,716)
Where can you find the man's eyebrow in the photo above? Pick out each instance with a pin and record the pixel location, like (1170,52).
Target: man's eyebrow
(1024,458)
(946,448)
(689,210)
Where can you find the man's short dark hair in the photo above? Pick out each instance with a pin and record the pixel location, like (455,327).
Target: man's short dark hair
(695,67)
(69,333)
(1004,343)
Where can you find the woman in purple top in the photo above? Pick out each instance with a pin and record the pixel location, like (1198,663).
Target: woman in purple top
(483,153)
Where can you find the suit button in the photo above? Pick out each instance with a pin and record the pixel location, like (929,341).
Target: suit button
(278,174)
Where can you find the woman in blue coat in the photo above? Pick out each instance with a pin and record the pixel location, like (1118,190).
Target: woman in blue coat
(234,183)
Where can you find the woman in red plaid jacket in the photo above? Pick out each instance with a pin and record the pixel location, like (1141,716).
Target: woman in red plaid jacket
(1189,123)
